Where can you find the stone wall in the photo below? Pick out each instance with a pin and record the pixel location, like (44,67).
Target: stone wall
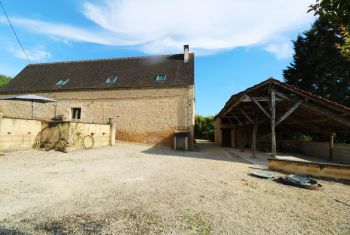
(147,116)
(341,152)
(18,134)
(99,132)
(334,171)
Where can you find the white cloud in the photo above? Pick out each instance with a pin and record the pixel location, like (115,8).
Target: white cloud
(54,38)
(163,26)
(37,54)
(281,49)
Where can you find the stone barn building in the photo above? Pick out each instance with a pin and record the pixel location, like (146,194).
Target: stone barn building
(149,98)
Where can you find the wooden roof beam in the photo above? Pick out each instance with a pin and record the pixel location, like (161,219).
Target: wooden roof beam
(282,95)
(246,115)
(290,111)
(259,99)
(327,113)
(259,106)
(323,111)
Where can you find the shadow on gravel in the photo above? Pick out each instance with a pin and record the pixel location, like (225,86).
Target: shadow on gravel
(127,221)
(69,225)
(10,231)
(206,150)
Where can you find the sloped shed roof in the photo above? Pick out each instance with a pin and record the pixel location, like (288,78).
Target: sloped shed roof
(316,113)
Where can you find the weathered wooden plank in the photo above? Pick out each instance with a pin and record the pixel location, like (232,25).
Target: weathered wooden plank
(331,146)
(290,111)
(327,113)
(237,119)
(259,99)
(317,109)
(230,121)
(273,124)
(282,95)
(255,131)
(260,107)
(246,115)
(310,121)
(234,104)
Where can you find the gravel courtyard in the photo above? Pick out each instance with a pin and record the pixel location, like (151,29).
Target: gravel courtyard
(137,189)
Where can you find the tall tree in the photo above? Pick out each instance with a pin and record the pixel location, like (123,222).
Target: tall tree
(337,12)
(318,65)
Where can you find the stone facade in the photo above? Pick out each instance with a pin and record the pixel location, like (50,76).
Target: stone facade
(146,115)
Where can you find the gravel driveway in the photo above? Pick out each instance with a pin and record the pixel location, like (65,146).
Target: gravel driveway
(137,189)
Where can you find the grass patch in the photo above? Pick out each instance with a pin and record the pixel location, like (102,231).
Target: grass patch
(197,223)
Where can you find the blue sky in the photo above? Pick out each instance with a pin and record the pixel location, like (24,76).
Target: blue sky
(237,43)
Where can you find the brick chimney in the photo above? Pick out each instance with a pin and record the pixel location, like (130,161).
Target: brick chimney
(186,53)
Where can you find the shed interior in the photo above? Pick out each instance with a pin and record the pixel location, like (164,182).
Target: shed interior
(263,116)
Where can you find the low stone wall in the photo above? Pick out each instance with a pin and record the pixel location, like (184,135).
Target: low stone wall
(100,132)
(18,134)
(320,150)
(310,168)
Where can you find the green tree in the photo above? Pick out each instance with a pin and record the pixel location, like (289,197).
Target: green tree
(4,80)
(204,128)
(337,13)
(318,66)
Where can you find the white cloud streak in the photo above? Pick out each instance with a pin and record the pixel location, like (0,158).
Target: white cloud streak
(37,54)
(281,50)
(163,26)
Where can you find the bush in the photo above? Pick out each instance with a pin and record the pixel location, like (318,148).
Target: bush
(4,80)
(204,128)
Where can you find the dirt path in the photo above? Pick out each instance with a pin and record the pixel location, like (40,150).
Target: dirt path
(137,189)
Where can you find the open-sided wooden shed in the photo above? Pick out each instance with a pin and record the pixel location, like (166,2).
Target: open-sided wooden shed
(272,108)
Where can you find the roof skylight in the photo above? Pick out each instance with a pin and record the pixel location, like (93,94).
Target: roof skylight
(62,82)
(160,77)
(111,79)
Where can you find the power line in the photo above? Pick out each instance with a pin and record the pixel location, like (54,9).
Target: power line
(14,32)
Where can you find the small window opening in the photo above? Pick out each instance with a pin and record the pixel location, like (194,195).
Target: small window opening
(62,82)
(76,113)
(111,79)
(160,77)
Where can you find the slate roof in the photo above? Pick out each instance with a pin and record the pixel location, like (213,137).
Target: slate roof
(132,72)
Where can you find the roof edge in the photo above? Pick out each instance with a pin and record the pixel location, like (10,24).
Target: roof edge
(97,89)
(108,59)
(292,88)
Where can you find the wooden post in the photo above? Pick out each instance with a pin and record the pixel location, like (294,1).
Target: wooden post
(55,110)
(32,109)
(112,131)
(331,146)
(242,138)
(273,123)
(255,130)
(236,137)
